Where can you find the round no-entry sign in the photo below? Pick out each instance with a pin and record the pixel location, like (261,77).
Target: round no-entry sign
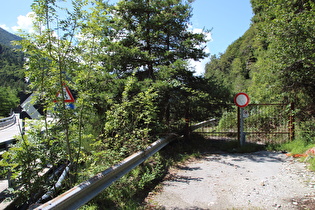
(241,100)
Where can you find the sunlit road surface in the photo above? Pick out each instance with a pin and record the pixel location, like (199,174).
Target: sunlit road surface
(8,133)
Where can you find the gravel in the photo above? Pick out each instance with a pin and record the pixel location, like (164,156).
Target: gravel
(260,180)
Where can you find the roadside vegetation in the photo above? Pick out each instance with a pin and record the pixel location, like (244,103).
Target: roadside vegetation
(128,66)
(305,139)
(273,62)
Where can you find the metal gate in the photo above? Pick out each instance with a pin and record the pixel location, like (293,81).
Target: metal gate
(263,123)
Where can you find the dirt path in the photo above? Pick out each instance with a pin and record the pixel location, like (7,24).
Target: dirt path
(260,180)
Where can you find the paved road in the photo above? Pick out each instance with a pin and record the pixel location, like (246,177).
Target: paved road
(8,133)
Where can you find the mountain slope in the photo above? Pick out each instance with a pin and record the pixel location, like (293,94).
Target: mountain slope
(274,60)
(6,37)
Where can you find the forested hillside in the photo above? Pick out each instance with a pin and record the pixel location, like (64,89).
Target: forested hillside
(274,60)
(128,64)
(6,37)
(11,72)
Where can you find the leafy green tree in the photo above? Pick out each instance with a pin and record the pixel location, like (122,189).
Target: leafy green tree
(8,100)
(153,33)
(233,68)
(51,60)
(11,69)
(128,66)
(286,28)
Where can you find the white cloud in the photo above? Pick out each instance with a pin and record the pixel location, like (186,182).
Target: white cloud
(5,27)
(25,23)
(199,66)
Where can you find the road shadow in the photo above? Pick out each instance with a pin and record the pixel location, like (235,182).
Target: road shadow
(205,146)
(174,177)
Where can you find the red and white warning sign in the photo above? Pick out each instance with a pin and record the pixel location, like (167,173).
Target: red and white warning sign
(68,97)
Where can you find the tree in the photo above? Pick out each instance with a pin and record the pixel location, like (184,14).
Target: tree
(153,33)
(51,60)
(128,67)
(11,69)
(8,100)
(286,28)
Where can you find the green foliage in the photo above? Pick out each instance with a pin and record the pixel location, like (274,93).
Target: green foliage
(298,146)
(8,100)
(128,123)
(12,79)
(128,191)
(273,62)
(157,35)
(234,66)
(128,67)
(26,162)
(228,121)
(304,140)
(305,131)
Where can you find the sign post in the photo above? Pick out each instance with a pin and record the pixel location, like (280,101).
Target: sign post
(241,100)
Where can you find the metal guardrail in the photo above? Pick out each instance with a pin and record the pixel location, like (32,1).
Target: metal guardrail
(84,192)
(7,121)
(202,124)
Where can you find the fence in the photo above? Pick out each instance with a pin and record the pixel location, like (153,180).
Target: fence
(4,122)
(263,123)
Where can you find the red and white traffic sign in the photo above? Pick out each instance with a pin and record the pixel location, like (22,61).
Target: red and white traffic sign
(241,100)
(68,97)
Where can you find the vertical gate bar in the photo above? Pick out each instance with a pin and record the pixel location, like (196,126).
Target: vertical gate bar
(291,122)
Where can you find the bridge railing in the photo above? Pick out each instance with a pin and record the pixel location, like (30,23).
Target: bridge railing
(4,122)
(84,192)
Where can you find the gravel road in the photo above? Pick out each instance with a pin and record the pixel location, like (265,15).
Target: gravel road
(259,180)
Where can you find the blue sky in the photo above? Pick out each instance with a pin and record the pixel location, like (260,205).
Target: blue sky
(228,19)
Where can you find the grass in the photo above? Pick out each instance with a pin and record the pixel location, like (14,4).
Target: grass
(298,146)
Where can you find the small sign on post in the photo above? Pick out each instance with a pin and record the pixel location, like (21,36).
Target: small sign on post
(241,100)
(245,113)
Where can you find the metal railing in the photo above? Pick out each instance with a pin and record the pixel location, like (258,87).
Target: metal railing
(202,124)
(7,121)
(84,192)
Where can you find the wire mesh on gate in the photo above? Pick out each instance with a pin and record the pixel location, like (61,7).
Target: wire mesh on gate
(225,127)
(263,123)
(268,123)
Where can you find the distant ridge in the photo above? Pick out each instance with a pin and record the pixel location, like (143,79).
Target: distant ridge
(6,37)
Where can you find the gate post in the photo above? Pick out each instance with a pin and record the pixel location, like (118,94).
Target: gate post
(292,122)
(238,126)
(241,100)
